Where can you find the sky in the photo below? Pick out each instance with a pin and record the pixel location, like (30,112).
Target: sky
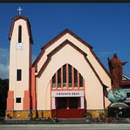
(105,26)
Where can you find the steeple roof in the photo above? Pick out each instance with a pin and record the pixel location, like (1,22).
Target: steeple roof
(28,26)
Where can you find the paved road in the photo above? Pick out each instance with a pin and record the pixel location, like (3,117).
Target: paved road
(67,127)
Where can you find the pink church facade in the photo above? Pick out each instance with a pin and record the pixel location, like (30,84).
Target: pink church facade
(66,80)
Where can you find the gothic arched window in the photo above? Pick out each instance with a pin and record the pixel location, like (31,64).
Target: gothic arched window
(67,77)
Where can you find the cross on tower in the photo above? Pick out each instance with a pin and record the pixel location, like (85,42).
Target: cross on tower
(19,9)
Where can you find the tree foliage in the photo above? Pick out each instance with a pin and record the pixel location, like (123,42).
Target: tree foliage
(4,87)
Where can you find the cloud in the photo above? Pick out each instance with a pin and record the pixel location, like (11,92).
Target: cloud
(4,56)
(4,71)
(4,62)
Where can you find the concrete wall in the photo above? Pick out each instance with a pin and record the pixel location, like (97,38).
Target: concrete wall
(93,88)
(19,59)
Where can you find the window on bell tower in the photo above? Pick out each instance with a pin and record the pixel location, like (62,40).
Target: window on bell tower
(19,74)
(19,34)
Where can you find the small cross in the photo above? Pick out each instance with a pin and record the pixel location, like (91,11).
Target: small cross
(19,9)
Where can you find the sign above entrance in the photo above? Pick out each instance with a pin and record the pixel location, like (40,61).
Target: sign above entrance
(67,93)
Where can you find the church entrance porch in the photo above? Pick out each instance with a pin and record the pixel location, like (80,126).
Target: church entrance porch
(68,107)
(68,104)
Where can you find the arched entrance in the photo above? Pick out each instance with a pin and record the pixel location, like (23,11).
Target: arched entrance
(67,93)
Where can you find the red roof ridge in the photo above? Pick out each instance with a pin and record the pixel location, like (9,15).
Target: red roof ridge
(63,33)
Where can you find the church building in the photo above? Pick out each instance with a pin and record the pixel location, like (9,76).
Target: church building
(66,80)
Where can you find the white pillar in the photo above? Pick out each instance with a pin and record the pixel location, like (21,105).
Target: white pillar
(53,103)
(82,102)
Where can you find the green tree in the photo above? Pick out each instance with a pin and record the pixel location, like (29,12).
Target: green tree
(4,87)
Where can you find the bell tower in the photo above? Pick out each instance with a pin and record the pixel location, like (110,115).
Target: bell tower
(19,64)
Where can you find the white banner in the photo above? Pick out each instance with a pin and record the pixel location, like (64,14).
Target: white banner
(67,93)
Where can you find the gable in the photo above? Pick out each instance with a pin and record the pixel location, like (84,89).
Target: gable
(63,33)
(57,38)
(83,47)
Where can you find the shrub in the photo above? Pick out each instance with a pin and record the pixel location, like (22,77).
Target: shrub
(9,116)
(88,114)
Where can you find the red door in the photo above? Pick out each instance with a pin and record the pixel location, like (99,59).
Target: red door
(68,107)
